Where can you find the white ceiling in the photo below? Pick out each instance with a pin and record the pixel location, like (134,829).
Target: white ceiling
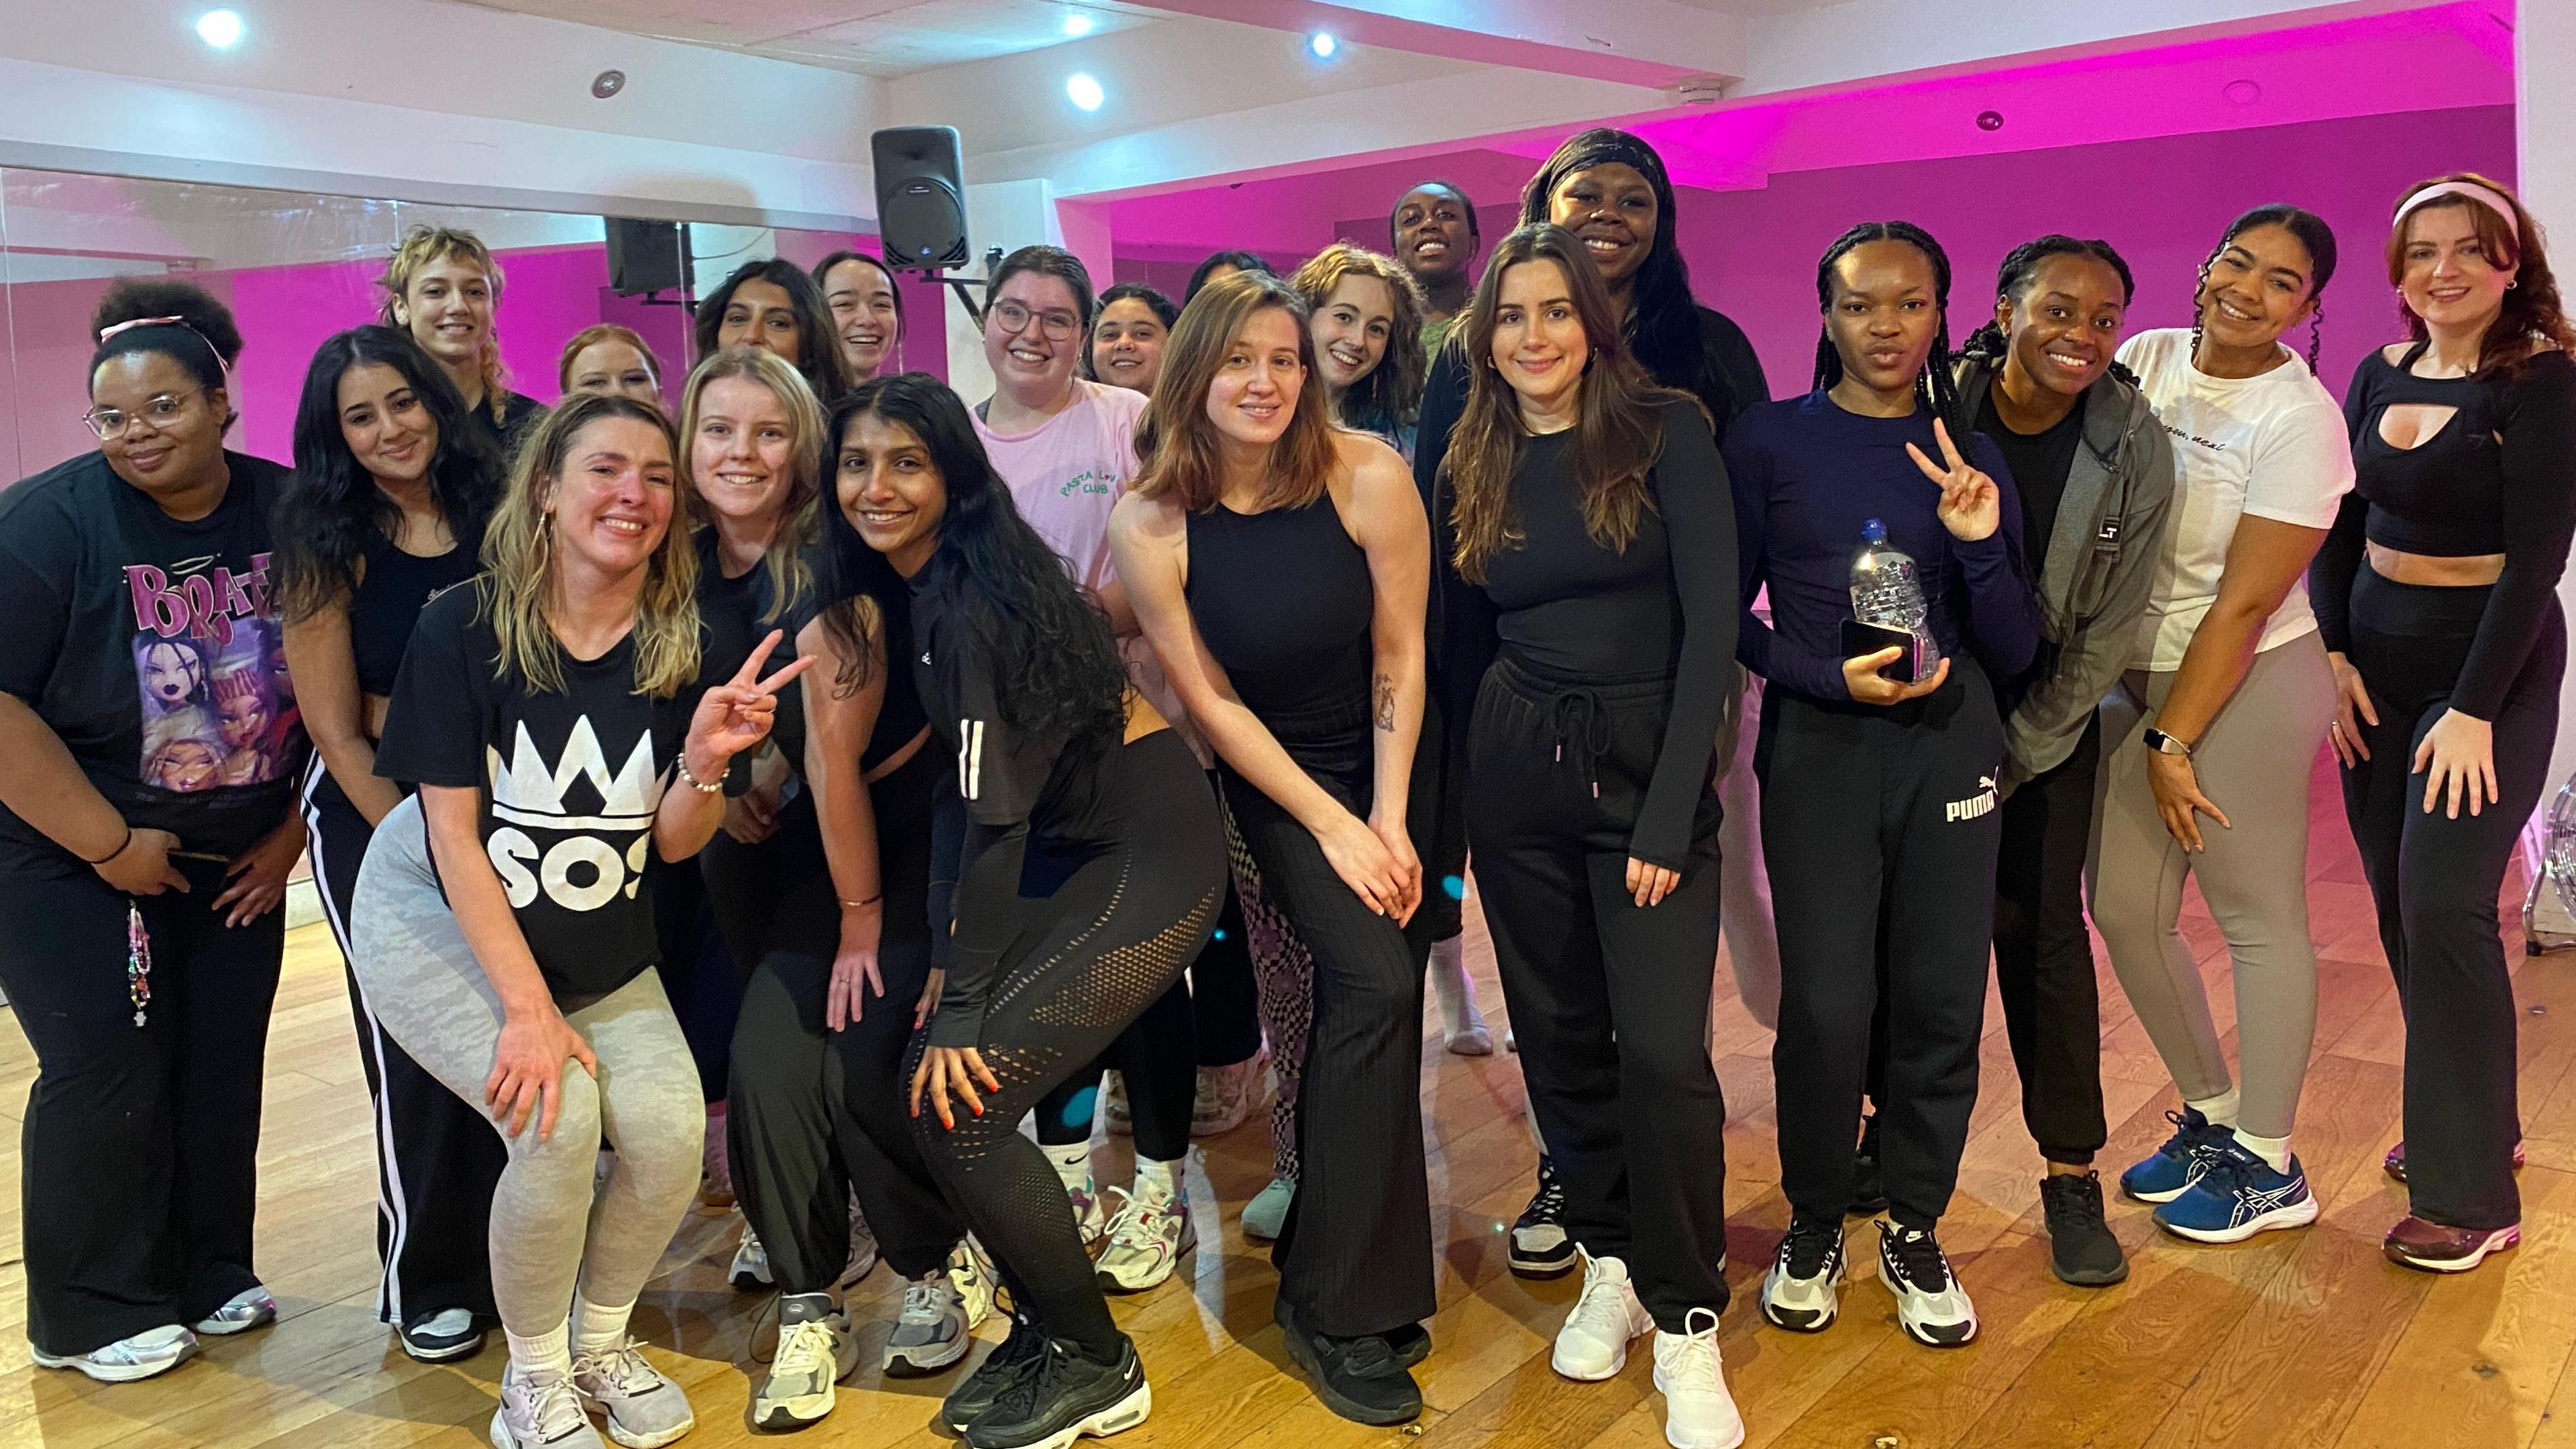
(869,37)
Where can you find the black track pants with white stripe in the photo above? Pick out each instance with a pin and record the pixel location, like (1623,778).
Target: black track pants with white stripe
(436,1158)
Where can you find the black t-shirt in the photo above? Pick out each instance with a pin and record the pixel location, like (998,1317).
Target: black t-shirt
(2039,463)
(151,648)
(518,413)
(735,612)
(570,782)
(386,605)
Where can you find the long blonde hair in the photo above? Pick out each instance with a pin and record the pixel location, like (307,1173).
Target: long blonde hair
(423,245)
(1177,442)
(790,578)
(520,574)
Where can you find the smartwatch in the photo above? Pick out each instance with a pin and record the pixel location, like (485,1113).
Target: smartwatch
(2165,744)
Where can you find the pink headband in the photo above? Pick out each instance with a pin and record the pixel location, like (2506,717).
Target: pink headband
(2485,196)
(182,323)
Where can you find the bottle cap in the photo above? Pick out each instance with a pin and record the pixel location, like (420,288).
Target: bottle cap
(1873,532)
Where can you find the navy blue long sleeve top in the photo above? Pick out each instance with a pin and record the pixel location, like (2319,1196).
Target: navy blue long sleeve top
(1807,475)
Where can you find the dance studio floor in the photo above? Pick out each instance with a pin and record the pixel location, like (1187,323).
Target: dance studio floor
(2297,1339)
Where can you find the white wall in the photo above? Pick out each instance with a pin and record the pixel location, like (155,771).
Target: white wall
(2545,46)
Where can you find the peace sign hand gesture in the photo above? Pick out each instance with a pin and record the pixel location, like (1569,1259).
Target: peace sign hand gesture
(1971,504)
(736,715)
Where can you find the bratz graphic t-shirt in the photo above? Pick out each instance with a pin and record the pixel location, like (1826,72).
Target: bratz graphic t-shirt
(151,646)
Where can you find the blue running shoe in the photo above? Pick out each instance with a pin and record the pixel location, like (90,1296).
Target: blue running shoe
(2163,1176)
(2240,1195)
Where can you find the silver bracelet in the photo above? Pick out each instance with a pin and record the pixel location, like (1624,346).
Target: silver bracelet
(693,782)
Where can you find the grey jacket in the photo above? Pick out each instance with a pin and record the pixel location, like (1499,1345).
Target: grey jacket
(2100,567)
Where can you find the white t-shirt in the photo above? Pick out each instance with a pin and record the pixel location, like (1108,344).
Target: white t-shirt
(2271,446)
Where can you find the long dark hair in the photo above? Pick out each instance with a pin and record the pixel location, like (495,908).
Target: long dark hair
(818,342)
(332,507)
(1618,434)
(1934,386)
(2313,234)
(823,269)
(1987,345)
(1053,655)
(1662,327)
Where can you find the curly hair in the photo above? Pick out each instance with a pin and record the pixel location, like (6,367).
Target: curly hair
(1390,396)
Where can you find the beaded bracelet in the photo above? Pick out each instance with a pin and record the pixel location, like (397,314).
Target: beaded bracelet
(694,783)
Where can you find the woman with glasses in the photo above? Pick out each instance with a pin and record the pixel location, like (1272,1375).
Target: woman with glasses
(139,932)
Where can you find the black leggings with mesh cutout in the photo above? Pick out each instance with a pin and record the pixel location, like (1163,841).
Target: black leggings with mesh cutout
(1114,931)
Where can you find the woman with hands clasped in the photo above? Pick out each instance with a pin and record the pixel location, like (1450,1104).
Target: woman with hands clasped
(503,923)
(1878,796)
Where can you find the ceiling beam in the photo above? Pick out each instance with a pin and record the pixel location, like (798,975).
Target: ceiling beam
(1636,42)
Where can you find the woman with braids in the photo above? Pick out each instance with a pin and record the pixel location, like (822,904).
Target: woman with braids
(1593,542)
(2227,696)
(392,486)
(2434,595)
(1088,877)
(772,305)
(2094,474)
(442,286)
(1878,792)
(1367,325)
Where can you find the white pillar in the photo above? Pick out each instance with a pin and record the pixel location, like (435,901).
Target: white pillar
(1005,214)
(2545,115)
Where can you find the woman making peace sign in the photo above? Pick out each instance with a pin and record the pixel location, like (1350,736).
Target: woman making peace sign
(1878,796)
(502,928)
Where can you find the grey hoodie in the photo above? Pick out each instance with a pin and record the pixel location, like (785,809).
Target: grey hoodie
(2101,564)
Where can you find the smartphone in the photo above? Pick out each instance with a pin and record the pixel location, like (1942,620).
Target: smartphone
(1861,639)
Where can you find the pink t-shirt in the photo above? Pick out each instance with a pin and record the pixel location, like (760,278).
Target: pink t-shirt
(1069,471)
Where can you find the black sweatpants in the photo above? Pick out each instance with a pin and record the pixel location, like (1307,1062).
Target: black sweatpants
(1225,1010)
(1436,819)
(2044,955)
(138,1159)
(437,1157)
(1158,1056)
(699,974)
(1354,1257)
(1867,808)
(2435,881)
(1114,935)
(814,1114)
(1609,1001)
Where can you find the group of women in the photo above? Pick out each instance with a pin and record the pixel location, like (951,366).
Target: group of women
(1144,718)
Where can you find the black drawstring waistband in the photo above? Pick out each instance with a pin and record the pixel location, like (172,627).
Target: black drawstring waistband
(1579,719)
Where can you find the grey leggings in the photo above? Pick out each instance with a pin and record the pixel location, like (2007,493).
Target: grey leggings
(554,1223)
(2254,762)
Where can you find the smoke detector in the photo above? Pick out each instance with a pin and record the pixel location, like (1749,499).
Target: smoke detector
(1700,90)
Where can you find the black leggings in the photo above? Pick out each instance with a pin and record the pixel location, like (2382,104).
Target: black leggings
(1158,1056)
(437,1157)
(1867,808)
(2435,881)
(1104,944)
(1609,1000)
(1354,1257)
(138,1160)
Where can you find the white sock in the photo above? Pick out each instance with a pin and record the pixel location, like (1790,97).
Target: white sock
(598,1329)
(2274,1150)
(1160,1179)
(545,1353)
(1072,1163)
(2220,1109)
(1454,988)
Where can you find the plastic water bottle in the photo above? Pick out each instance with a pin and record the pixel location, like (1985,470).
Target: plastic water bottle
(1887,590)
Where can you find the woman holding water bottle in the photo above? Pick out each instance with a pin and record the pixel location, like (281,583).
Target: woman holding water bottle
(1878,782)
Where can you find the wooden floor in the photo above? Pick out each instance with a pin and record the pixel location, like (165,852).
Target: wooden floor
(2297,1339)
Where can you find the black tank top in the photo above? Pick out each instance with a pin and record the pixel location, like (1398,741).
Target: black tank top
(1283,599)
(388,600)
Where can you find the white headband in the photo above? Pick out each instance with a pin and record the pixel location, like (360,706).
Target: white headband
(2485,196)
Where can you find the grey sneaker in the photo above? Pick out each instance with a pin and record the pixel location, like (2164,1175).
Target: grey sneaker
(1146,1241)
(644,1409)
(750,1271)
(153,1351)
(930,1330)
(815,1351)
(244,1311)
(863,1251)
(540,1410)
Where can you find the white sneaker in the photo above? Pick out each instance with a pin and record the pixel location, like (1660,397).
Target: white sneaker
(153,1351)
(970,1272)
(644,1409)
(1593,1343)
(1931,1304)
(240,1313)
(1090,1218)
(540,1409)
(750,1270)
(815,1352)
(863,1251)
(1267,1213)
(1800,1293)
(1146,1241)
(1699,1413)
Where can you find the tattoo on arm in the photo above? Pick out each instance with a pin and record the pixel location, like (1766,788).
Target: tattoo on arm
(1386,702)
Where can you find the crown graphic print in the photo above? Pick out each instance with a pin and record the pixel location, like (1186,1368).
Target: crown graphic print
(539,844)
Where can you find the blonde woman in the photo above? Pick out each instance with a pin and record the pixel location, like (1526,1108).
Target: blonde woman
(503,923)
(443,286)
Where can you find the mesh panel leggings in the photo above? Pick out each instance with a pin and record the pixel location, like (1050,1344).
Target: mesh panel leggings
(1114,936)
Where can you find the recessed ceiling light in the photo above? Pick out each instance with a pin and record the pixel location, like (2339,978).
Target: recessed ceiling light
(1078,24)
(1323,43)
(2242,92)
(222,29)
(1083,91)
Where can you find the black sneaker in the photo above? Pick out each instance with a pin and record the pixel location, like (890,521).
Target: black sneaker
(2081,1249)
(1361,1379)
(994,1376)
(1410,1344)
(1539,1245)
(1931,1306)
(1799,1293)
(1869,1190)
(443,1336)
(1062,1397)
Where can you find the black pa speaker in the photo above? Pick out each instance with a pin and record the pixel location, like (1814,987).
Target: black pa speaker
(921,197)
(646,256)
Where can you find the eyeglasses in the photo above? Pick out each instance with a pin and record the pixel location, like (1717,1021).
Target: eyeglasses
(1013,318)
(159,414)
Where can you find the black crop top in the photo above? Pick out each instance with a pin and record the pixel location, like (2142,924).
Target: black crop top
(386,605)
(1283,599)
(2498,477)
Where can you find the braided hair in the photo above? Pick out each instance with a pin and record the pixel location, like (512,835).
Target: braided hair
(1934,387)
(2020,268)
(2312,232)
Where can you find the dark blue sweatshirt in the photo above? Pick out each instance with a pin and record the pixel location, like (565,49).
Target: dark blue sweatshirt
(1807,475)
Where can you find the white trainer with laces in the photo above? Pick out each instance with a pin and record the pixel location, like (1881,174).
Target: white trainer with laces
(643,1408)
(750,1271)
(815,1352)
(1699,1412)
(1593,1342)
(930,1329)
(971,1274)
(540,1409)
(1146,1241)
